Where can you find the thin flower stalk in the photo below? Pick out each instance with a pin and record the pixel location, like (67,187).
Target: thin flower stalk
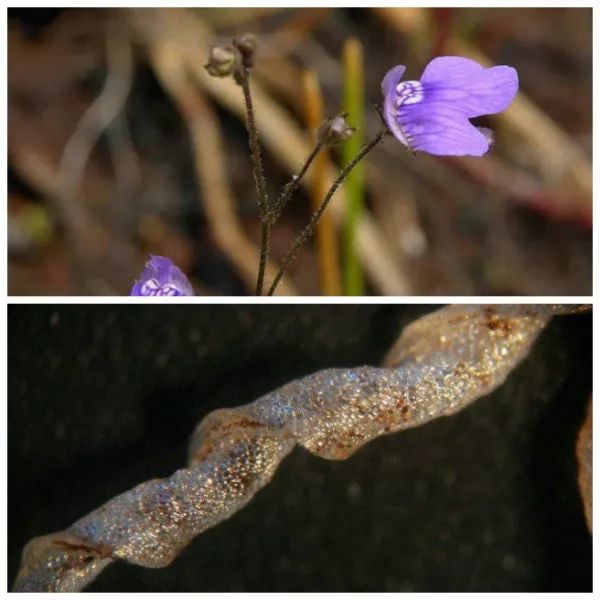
(259,178)
(291,186)
(308,231)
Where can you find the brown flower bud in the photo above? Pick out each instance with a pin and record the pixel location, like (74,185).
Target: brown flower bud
(246,43)
(222,61)
(335,130)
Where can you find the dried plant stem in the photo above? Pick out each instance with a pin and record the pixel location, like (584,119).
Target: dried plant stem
(326,240)
(290,188)
(98,117)
(259,179)
(310,228)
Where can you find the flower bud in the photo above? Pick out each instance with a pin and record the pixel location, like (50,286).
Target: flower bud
(246,43)
(335,130)
(222,61)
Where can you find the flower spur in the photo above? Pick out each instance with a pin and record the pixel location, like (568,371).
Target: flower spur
(432,115)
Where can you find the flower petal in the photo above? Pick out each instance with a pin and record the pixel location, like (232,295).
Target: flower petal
(388,87)
(136,290)
(475,89)
(160,267)
(392,79)
(441,129)
(180,281)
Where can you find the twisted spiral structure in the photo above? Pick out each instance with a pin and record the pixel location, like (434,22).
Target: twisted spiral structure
(440,363)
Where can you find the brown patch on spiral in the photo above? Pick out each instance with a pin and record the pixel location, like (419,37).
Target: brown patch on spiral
(494,322)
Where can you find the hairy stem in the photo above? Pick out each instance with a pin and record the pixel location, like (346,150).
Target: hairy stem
(291,186)
(265,238)
(259,178)
(310,228)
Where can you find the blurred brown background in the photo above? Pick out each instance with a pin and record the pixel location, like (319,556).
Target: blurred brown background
(121,145)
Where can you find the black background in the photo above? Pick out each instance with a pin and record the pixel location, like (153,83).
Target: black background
(104,397)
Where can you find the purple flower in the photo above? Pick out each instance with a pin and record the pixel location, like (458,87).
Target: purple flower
(432,115)
(161,277)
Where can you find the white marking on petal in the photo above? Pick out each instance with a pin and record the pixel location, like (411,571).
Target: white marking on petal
(153,288)
(150,287)
(409,92)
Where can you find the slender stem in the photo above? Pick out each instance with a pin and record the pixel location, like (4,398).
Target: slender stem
(255,152)
(264,255)
(259,178)
(310,228)
(291,186)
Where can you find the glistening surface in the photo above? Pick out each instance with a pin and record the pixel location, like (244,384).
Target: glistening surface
(423,509)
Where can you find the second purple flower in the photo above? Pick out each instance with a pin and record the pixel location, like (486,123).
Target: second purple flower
(161,277)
